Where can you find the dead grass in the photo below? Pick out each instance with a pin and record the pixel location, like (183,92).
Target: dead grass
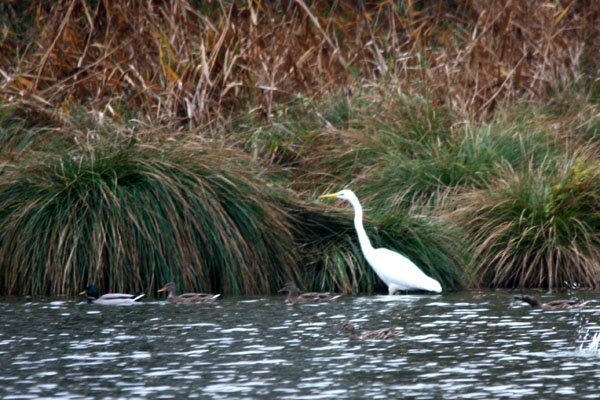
(199,64)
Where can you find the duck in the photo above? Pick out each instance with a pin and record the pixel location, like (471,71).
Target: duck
(384,333)
(554,305)
(109,299)
(294,295)
(171,288)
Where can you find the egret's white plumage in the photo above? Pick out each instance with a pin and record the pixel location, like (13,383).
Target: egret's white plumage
(397,271)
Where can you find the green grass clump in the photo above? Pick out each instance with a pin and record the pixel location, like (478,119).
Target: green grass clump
(536,227)
(133,218)
(434,169)
(330,256)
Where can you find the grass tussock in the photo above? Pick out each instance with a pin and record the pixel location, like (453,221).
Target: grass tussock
(468,158)
(536,227)
(134,218)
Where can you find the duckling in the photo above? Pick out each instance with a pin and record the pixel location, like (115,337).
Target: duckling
(553,305)
(294,295)
(186,297)
(384,333)
(112,299)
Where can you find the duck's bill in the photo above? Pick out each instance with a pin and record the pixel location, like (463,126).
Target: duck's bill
(162,290)
(83,293)
(328,196)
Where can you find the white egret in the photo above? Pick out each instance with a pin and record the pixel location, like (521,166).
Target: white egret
(397,271)
(110,299)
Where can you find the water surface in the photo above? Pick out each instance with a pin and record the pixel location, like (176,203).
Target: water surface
(466,345)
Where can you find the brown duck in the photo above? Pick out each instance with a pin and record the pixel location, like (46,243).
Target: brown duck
(554,305)
(186,297)
(384,333)
(294,295)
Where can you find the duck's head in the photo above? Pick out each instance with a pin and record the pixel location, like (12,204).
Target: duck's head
(288,287)
(91,291)
(532,301)
(348,328)
(169,287)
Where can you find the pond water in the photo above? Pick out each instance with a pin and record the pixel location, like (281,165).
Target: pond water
(465,344)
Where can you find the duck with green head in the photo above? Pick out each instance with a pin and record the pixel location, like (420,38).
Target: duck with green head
(110,299)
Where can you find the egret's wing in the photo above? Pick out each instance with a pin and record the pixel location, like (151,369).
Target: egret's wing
(395,268)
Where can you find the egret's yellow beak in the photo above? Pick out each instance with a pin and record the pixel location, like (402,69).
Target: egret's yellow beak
(83,293)
(328,196)
(162,289)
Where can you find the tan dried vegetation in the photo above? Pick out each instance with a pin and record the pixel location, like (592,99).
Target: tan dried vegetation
(199,63)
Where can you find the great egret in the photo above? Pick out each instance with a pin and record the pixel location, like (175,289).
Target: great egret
(397,271)
(109,299)
(554,305)
(186,297)
(384,333)
(294,295)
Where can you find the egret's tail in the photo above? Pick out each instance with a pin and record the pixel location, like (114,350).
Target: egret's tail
(433,286)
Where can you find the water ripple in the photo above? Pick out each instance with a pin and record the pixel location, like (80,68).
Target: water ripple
(467,345)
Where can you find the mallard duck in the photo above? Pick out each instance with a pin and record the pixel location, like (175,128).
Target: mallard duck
(186,297)
(384,333)
(110,299)
(294,295)
(553,305)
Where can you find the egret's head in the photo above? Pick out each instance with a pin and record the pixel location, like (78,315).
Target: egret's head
(345,194)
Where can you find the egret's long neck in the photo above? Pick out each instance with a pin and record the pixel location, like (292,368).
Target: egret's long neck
(363,239)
